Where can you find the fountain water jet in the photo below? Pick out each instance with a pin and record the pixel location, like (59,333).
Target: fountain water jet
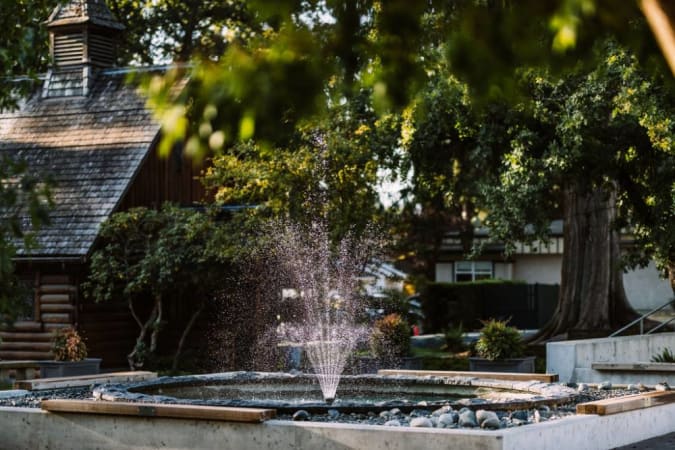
(325,278)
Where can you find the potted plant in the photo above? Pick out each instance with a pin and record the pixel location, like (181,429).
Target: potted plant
(500,348)
(70,357)
(390,343)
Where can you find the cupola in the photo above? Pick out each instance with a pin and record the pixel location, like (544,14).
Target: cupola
(82,41)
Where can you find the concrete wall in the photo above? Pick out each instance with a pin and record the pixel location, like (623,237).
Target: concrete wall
(572,360)
(24,428)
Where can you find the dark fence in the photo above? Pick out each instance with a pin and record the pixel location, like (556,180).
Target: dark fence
(451,304)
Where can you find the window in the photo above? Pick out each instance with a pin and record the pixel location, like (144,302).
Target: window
(473,270)
(26,302)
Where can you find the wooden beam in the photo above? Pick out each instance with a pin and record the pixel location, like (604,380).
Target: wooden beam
(84,380)
(542,377)
(660,15)
(250,415)
(627,403)
(635,367)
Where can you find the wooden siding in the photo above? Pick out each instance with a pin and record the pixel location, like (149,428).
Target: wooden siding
(172,179)
(108,328)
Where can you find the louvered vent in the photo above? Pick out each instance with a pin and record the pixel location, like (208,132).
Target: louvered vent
(101,50)
(68,49)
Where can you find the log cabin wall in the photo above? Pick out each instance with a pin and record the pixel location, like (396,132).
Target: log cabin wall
(54,307)
(108,328)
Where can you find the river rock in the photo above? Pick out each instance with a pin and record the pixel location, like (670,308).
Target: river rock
(467,419)
(385,414)
(333,413)
(605,386)
(441,410)
(395,412)
(663,386)
(487,419)
(582,387)
(448,419)
(300,415)
(521,415)
(419,413)
(392,423)
(421,422)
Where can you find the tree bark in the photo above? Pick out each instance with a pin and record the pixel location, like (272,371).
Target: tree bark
(184,335)
(140,340)
(592,300)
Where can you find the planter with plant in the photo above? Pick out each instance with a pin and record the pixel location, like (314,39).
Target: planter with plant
(70,357)
(390,343)
(500,348)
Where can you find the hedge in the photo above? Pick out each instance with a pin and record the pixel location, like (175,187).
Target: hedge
(467,303)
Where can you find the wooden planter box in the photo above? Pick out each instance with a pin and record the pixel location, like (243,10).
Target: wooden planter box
(54,369)
(519,365)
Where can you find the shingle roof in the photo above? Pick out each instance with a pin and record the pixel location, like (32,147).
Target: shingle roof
(91,147)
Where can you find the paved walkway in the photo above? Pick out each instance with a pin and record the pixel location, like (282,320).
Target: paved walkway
(665,442)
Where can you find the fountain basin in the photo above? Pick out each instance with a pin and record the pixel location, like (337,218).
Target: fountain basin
(356,393)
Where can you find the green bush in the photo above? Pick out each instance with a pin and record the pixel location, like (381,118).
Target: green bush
(454,339)
(666,356)
(498,340)
(390,338)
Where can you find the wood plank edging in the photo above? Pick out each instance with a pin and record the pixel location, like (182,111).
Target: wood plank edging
(512,376)
(221,413)
(83,380)
(617,405)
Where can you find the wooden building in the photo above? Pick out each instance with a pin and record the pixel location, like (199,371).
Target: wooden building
(89,131)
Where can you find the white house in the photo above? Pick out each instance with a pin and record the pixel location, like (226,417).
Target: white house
(540,263)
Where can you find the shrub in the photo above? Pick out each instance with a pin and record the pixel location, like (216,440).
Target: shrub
(499,341)
(666,356)
(454,339)
(69,346)
(390,338)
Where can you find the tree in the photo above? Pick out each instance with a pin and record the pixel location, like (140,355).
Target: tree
(23,46)
(164,255)
(24,208)
(586,143)
(449,153)
(177,30)
(327,170)
(381,46)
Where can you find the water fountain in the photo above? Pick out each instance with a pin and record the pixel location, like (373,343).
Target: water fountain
(324,278)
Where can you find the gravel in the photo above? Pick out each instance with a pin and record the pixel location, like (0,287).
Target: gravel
(445,417)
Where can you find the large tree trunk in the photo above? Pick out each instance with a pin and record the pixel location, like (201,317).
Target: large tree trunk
(592,300)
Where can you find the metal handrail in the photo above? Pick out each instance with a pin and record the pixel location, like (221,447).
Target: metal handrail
(641,320)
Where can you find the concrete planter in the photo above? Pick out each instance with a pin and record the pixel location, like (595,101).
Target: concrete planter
(54,369)
(519,365)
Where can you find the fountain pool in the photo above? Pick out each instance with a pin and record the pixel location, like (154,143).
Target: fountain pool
(357,393)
